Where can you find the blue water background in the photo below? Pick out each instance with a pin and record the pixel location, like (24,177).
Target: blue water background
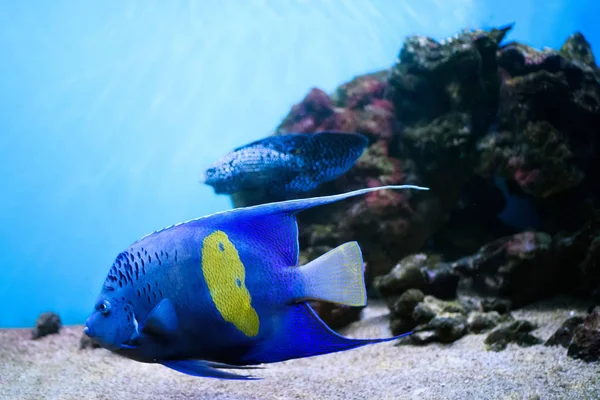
(109,111)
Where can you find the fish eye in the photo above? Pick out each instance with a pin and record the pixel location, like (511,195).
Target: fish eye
(104,307)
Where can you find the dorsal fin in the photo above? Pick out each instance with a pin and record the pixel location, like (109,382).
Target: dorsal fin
(283,143)
(291,207)
(274,224)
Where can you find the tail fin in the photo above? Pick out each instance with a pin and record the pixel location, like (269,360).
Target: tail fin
(336,277)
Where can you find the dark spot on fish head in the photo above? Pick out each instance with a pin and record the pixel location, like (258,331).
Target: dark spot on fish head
(238,282)
(221,247)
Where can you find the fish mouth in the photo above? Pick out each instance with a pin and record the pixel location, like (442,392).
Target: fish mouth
(87,330)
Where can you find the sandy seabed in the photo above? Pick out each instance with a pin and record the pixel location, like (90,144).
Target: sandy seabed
(54,368)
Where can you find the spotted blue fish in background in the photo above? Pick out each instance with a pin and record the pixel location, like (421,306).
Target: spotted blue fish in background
(225,292)
(291,163)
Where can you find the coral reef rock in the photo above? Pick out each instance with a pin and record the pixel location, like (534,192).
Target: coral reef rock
(564,334)
(504,135)
(518,332)
(521,268)
(585,344)
(483,321)
(48,323)
(419,271)
(434,320)
(433,78)
(530,266)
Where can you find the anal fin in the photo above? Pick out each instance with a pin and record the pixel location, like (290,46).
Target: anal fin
(301,333)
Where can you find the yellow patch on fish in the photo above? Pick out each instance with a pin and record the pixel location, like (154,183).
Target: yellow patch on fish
(225,275)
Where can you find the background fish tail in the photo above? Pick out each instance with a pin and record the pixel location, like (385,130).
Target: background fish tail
(334,153)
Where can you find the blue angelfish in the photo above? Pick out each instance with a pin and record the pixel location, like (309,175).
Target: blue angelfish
(225,292)
(286,164)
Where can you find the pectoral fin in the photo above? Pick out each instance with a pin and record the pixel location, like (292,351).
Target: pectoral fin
(162,320)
